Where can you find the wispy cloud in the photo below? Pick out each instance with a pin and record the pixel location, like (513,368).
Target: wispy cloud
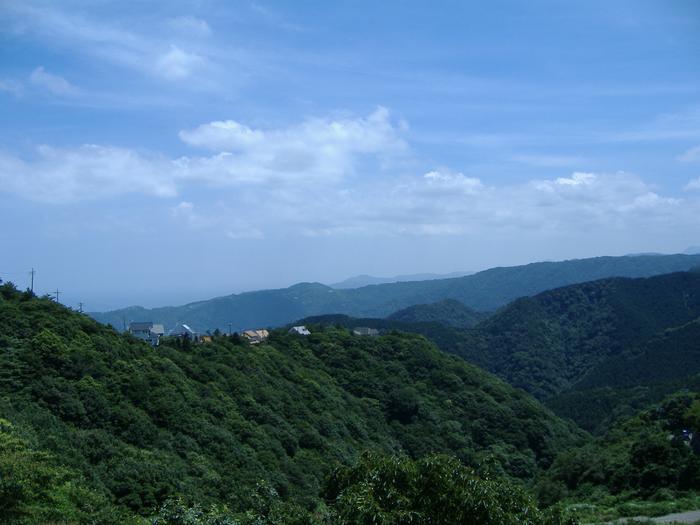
(274,18)
(190,25)
(158,54)
(11,86)
(681,125)
(217,216)
(690,155)
(177,64)
(54,84)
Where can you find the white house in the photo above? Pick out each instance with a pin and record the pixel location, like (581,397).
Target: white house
(299,330)
(147,331)
(364,330)
(182,330)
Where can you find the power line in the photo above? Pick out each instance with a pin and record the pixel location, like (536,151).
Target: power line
(31,272)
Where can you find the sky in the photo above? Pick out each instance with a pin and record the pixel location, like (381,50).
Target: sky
(156,153)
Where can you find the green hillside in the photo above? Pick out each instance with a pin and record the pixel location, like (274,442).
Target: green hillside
(133,426)
(483,291)
(449,312)
(593,351)
(618,386)
(548,343)
(653,455)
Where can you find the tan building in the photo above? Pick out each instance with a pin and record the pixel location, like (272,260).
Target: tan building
(255,336)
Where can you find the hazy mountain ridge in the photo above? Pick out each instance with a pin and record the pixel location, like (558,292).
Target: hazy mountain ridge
(483,291)
(358,281)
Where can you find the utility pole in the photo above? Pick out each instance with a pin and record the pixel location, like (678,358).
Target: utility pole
(80,307)
(57,292)
(32,285)
(229,329)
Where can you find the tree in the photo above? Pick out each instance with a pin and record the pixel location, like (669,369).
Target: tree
(436,490)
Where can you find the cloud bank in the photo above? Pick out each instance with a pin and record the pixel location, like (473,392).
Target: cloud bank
(335,176)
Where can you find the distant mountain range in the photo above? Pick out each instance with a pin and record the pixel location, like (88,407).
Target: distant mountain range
(359,281)
(483,291)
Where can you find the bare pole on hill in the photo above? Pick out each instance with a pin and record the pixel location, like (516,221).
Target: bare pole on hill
(80,307)
(57,292)
(31,287)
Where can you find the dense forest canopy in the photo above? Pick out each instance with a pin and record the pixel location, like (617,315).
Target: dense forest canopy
(331,428)
(592,351)
(449,312)
(136,426)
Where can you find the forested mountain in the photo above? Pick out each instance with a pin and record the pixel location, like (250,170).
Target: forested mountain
(482,291)
(550,342)
(122,426)
(653,454)
(449,312)
(667,362)
(592,351)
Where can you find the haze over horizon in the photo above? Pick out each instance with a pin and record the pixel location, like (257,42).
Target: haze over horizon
(171,153)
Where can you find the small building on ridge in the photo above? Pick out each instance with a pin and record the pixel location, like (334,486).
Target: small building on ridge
(147,331)
(299,330)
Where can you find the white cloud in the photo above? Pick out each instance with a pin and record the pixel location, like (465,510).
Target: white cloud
(440,203)
(323,177)
(452,182)
(693,185)
(85,173)
(316,149)
(577,179)
(177,64)
(222,135)
(53,83)
(691,155)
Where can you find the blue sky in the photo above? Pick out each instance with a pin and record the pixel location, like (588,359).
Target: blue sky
(156,152)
